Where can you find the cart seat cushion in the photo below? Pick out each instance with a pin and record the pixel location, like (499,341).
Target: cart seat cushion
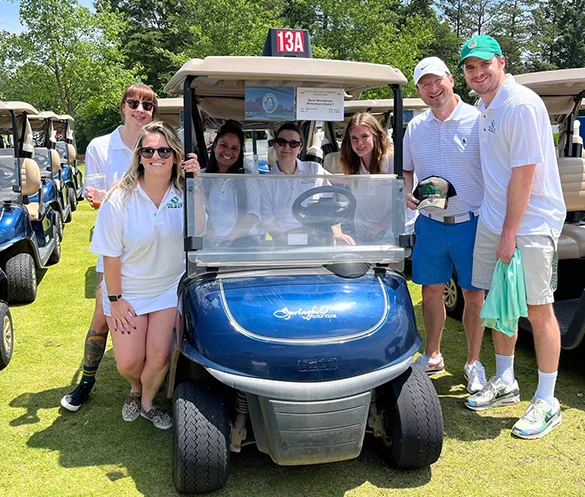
(71,153)
(575,232)
(331,162)
(31,177)
(33,210)
(55,161)
(572,172)
(567,248)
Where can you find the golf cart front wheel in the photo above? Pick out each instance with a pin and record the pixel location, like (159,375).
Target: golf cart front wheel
(453,299)
(72,199)
(201,439)
(7,340)
(55,256)
(21,273)
(413,421)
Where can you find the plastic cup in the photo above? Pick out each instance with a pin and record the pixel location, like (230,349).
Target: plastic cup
(95,186)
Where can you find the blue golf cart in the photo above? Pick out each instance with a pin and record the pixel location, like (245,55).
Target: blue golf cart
(300,346)
(29,238)
(71,176)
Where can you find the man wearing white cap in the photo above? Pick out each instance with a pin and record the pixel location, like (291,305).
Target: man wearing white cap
(444,142)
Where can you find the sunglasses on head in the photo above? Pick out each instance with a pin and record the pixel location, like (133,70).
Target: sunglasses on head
(148,152)
(133,104)
(291,143)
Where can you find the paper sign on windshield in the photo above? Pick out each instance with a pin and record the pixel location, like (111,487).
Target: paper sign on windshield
(320,104)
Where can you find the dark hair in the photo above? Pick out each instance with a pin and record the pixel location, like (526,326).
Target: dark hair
(140,92)
(349,160)
(234,128)
(290,126)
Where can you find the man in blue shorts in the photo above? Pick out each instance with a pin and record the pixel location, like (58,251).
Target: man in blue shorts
(444,141)
(523,209)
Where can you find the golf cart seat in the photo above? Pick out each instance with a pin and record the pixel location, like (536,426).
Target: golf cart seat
(331,163)
(271,156)
(31,184)
(49,163)
(577,233)
(71,153)
(572,172)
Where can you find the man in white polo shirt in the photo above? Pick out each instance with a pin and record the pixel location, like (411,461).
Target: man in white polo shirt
(443,141)
(522,208)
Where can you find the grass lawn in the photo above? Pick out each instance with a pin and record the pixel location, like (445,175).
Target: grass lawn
(47,451)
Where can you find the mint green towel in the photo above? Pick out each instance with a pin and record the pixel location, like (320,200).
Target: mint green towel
(506,300)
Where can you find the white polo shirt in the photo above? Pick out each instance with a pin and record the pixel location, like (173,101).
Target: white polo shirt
(108,155)
(148,240)
(222,200)
(450,149)
(278,196)
(515,131)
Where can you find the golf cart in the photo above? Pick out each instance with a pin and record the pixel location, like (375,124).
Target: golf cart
(71,176)
(55,192)
(299,346)
(562,92)
(28,230)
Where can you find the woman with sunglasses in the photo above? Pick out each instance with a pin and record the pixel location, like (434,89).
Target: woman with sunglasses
(139,233)
(279,196)
(234,204)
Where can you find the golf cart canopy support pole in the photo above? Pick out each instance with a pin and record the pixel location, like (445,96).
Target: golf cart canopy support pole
(191,242)
(397,130)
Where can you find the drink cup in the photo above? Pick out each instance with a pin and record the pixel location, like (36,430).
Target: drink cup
(95,188)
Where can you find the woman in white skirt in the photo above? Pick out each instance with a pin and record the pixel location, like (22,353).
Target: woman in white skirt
(139,232)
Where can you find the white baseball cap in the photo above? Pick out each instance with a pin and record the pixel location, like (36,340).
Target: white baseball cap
(430,65)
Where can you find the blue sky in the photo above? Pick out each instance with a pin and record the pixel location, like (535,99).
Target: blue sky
(9,15)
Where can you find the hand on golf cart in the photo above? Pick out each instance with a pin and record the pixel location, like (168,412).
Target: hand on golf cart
(191,164)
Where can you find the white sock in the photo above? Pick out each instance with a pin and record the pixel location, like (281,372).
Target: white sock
(505,368)
(546,387)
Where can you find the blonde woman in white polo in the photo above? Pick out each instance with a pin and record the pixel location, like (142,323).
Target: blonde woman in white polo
(139,233)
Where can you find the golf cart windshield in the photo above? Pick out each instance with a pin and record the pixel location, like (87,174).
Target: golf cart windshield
(264,220)
(8,177)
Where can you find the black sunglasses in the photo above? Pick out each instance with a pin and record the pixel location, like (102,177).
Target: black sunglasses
(148,152)
(133,104)
(291,143)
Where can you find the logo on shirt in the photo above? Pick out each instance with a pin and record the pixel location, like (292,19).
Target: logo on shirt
(175,203)
(492,127)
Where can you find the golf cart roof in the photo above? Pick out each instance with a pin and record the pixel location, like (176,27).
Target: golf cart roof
(227,76)
(382,105)
(169,111)
(66,117)
(556,88)
(18,107)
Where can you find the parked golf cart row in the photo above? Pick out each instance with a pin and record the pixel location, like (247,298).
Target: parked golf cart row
(39,188)
(562,92)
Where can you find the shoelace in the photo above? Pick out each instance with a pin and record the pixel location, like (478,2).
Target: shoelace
(475,373)
(535,413)
(489,388)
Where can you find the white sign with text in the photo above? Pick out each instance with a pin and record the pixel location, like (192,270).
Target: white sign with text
(320,104)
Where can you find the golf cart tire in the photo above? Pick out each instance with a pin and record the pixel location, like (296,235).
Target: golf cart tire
(413,421)
(201,439)
(7,339)
(72,199)
(453,299)
(68,218)
(21,273)
(59,221)
(55,256)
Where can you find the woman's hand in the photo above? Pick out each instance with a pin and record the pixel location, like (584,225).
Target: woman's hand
(123,315)
(191,165)
(342,238)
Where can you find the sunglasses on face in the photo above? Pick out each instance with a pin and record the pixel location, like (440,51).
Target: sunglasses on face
(291,143)
(133,104)
(148,152)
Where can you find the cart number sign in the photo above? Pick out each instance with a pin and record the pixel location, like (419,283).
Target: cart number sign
(290,41)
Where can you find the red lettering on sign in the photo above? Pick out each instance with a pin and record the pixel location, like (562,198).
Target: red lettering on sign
(290,41)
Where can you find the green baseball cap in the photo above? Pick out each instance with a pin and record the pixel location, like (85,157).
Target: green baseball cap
(434,191)
(482,46)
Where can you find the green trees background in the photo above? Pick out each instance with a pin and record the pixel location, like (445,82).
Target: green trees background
(74,60)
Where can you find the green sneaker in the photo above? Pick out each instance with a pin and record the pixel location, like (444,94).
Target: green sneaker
(539,419)
(494,394)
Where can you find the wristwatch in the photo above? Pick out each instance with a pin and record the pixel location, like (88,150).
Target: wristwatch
(114,298)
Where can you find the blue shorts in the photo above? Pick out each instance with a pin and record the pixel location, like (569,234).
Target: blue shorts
(441,246)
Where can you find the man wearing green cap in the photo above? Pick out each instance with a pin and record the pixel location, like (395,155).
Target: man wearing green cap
(522,208)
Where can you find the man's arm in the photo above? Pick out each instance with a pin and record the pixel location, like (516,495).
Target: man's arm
(517,198)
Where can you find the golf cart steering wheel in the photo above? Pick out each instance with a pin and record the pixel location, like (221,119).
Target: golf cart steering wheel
(326,210)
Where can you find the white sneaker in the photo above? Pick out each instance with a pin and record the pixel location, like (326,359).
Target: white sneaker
(475,375)
(429,365)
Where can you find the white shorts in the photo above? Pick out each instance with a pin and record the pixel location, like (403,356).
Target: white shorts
(144,304)
(539,263)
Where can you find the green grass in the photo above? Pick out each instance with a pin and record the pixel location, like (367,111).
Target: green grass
(46,451)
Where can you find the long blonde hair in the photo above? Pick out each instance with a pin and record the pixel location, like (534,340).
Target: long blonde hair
(383,149)
(135,171)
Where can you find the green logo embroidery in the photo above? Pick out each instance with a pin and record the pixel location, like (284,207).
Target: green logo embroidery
(175,203)
(492,127)
(431,190)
